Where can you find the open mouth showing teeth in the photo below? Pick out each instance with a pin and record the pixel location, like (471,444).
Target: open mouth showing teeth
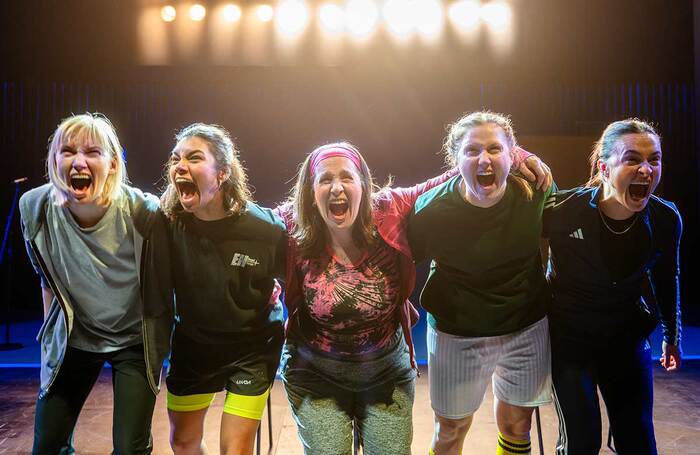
(186,187)
(80,182)
(638,190)
(338,208)
(486,179)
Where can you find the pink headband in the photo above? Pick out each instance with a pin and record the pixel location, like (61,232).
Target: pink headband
(324,152)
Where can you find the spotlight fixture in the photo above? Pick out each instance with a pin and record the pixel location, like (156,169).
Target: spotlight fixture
(331,17)
(232,12)
(361,17)
(168,13)
(197,12)
(264,13)
(464,14)
(292,17)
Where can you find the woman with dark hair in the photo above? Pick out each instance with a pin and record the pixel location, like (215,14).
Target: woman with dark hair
(614,252)
(348,361)
(486,295)
(226,253)
(100,248)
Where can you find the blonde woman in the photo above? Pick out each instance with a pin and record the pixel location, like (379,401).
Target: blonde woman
(92,239)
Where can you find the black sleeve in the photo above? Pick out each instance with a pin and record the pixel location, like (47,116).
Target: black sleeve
(416,239)
(665,276)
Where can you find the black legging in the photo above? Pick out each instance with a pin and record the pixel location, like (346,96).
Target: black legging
(57,411)
(623,374)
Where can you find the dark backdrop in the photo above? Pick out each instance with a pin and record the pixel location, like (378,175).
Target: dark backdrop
(575,66)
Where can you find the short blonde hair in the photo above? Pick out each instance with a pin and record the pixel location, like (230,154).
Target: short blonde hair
(95,128)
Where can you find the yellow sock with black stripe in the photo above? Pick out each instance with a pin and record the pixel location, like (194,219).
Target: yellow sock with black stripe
(508,446)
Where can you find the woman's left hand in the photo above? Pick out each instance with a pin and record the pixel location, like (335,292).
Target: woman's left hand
(670,357)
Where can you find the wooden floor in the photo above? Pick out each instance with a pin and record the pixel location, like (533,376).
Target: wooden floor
(677,416)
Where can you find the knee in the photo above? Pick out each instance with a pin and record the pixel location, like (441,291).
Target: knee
(182,442)
(517,427)
(452,429)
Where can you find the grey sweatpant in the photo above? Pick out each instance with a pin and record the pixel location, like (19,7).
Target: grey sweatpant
(327,396)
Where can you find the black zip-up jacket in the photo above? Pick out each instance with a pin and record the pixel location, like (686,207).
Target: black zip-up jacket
(589,305)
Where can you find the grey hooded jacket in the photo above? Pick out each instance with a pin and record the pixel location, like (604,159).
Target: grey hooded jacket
(153,260)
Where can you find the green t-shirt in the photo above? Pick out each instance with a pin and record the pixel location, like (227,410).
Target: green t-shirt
(486,277)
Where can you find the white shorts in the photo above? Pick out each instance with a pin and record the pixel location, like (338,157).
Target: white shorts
(459,368)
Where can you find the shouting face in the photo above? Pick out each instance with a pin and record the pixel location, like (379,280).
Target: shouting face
(484,161)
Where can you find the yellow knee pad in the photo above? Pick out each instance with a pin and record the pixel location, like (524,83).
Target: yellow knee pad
(250,407)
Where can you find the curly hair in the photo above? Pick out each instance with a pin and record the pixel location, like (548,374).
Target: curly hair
(235,190)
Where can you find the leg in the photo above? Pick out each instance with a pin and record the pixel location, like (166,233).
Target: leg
(133,402)
(186,414)
(459,370)
(57,411)
(576,398)
(324,424)
(521,382)
(626,384)
(240,422)
(449,435)
(384,418)
(514,424)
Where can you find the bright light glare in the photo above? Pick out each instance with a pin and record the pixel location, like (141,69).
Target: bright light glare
(168,13)
(399,16)
(265,13)
(197,12)
(361,17)
(464,14)
(331,17)
(292,16)
(232,13)
(430,17)
(497,15)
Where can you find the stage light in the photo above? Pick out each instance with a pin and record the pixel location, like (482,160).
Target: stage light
(430,18)
(464,14)
(497,15)
(264,13)
(399,16)
(168,13)
(292,17)
(331,18)
(232,13)
(361,17)
(197,12)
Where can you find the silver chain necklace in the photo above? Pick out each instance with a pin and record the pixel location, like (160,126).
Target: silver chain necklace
(624,231)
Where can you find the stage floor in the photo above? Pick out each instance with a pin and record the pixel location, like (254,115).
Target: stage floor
(676,413)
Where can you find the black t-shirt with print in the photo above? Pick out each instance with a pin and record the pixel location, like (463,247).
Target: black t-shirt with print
(224,274)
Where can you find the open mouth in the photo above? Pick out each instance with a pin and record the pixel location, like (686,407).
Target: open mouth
(338,208)
(80,182)
(186,188)
(486,179)
(639,191)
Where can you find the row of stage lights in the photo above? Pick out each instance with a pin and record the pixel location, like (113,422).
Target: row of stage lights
(361,17)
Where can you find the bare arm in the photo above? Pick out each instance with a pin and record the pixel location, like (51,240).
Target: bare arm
(46,298)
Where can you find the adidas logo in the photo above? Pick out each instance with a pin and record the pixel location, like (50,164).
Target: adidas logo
(242,260)
(577,234)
